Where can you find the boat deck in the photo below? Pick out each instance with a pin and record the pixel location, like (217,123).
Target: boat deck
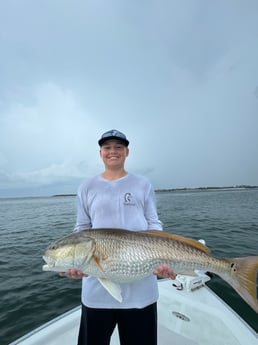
(197,317)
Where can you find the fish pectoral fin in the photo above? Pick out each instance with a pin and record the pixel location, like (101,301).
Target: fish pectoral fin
(111,287)
(96,259)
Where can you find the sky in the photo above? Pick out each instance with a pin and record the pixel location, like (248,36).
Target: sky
(179,78)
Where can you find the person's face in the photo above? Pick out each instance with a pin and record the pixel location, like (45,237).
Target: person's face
(113,153)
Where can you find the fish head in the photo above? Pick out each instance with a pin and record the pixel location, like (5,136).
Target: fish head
(74,251)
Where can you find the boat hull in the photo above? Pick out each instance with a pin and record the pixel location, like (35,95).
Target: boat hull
(189,317)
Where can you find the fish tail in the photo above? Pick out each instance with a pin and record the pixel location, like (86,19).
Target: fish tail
(243,278)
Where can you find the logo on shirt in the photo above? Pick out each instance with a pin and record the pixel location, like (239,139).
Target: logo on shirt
(128,200)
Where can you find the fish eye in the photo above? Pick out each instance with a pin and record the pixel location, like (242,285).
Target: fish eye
(233,266)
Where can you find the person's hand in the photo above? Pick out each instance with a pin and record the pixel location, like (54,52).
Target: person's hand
(164,271)
(73,273)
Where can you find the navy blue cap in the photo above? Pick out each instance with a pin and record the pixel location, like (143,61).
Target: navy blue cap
(113,134)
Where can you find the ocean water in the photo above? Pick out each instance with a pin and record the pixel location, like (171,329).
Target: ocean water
(227,220)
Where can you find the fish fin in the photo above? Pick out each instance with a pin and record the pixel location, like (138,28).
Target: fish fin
(96,259)
(111,287)
(190,241)
(243,278)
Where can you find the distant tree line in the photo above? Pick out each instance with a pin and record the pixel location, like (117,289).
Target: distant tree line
(242,186)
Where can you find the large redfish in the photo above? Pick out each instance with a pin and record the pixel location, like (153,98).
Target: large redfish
(116,256)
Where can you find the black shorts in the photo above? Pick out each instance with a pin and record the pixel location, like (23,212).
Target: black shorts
(135,326)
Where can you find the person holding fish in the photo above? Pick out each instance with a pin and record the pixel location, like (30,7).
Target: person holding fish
(119,200)
(116,260)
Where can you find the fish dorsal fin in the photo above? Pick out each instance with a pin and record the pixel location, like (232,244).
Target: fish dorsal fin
(183,239)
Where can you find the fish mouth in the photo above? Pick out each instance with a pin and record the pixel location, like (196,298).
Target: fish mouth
(50,263)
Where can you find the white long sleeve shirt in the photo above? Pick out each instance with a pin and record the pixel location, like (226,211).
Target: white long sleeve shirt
(128,203)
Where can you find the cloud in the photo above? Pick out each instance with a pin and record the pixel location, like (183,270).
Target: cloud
(179,78)
(41,141)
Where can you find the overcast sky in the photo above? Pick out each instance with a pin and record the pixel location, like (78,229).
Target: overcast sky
(179,78)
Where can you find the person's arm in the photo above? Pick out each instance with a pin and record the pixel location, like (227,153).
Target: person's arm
(163,271)
(150,210)
(83,220)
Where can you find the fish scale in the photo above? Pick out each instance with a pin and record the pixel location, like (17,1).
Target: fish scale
(143,260)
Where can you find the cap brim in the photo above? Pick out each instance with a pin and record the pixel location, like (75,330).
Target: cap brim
(123,141)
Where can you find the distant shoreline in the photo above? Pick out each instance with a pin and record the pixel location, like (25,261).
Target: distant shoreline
(58,195)
(186,189)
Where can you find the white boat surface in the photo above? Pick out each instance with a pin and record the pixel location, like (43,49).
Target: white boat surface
(189,313)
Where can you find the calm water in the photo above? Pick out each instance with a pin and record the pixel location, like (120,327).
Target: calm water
(227,220)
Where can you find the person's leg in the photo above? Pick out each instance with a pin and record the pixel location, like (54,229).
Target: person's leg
(138,326)
(96,326)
